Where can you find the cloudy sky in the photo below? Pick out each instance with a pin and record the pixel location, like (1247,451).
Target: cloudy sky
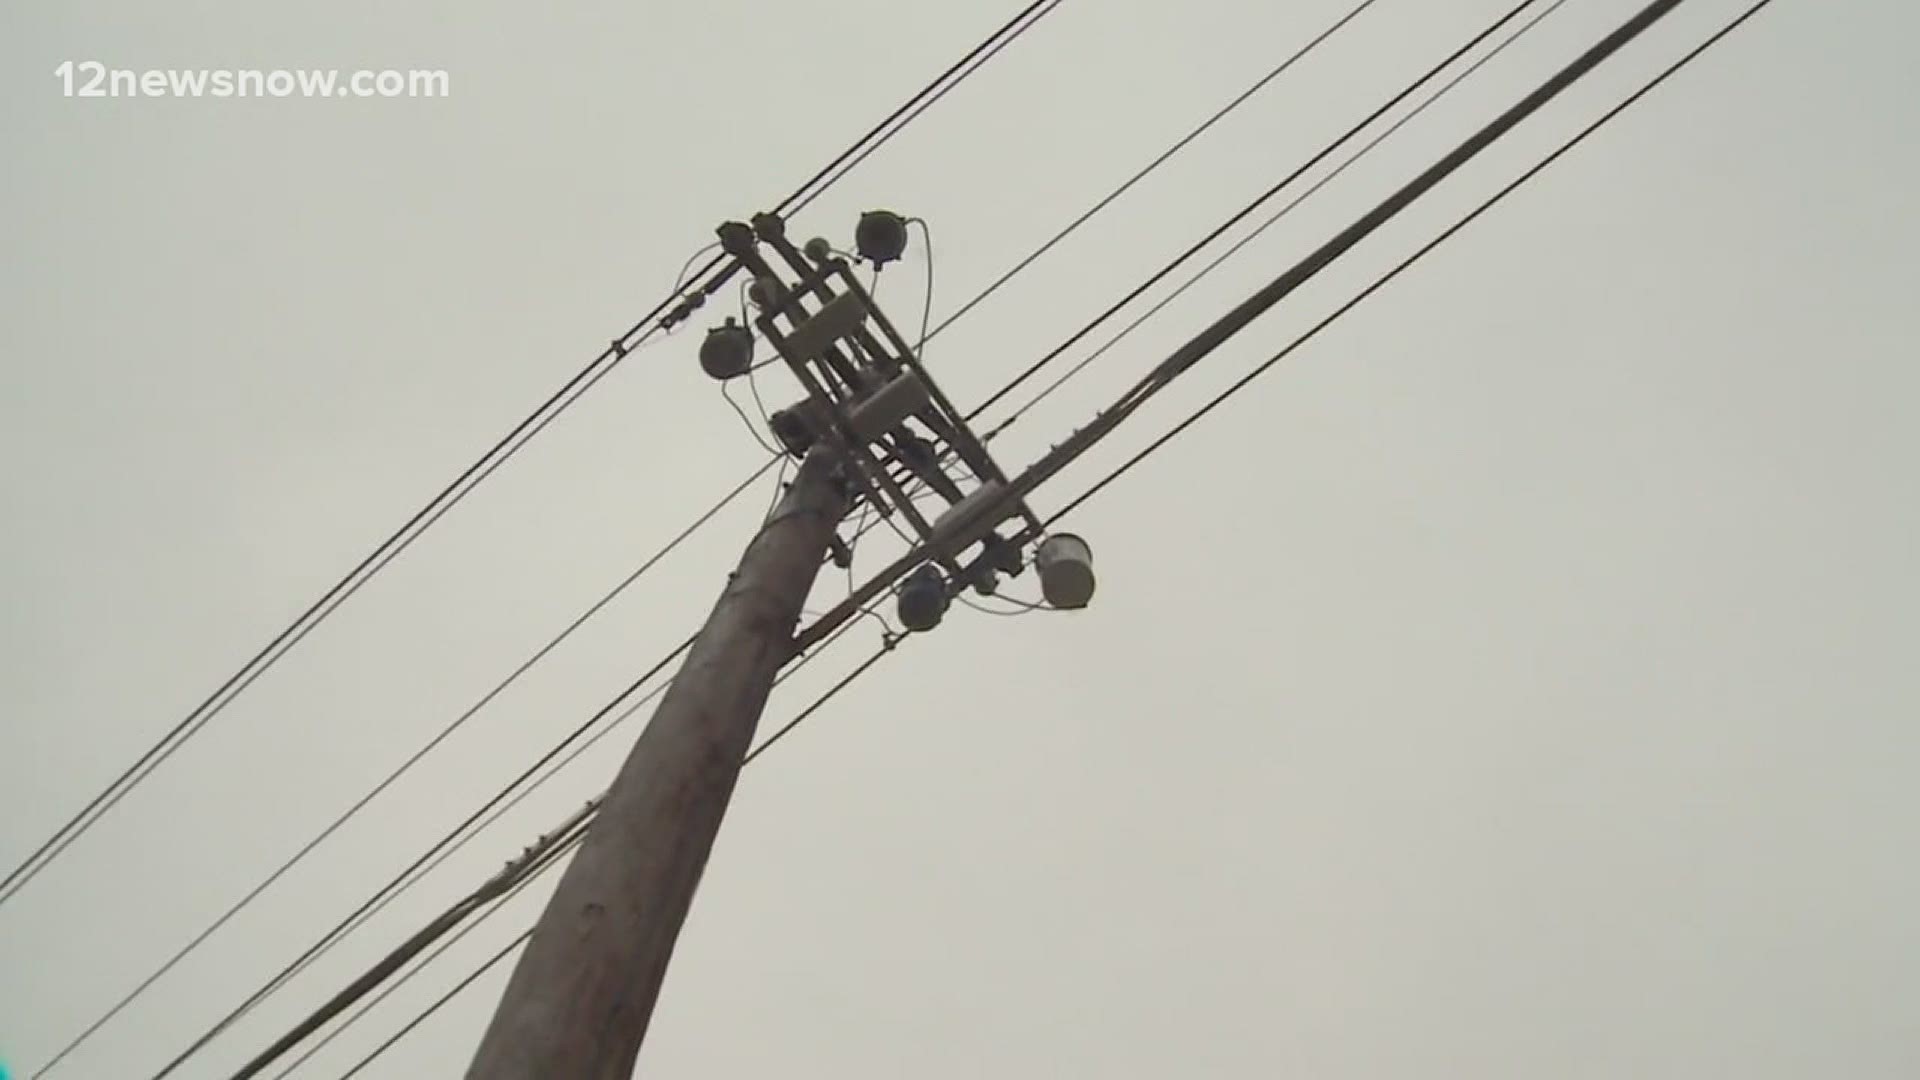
(1517,682)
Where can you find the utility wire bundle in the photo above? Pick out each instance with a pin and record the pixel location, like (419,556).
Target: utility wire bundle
(491,896)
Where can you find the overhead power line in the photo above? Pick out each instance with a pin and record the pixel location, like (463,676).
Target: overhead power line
(398,771)
(829,174)
(422,964)
(686,272)
(1374,287)
(818,703)
(1150,167)
(544,853)
(1260,200)
(489,891)
(1275,218)
(1406,264)
(1243,315)
(345,925)
(851,160)
(1455,56)
(495,456)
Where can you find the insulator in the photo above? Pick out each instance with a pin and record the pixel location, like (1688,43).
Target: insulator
(881,236)
(818,249)
(765,293)
(922,598)
(791,428)
(1065,563)
(727,351)
(800,425)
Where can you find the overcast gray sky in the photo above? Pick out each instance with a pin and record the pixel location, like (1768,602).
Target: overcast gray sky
(1518,682)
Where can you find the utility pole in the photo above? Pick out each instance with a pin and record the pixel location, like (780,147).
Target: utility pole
(583,991)
(581,995)
(875,430)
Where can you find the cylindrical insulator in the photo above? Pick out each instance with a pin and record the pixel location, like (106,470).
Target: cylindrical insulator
(1065,563)
(727,351)
(921,600)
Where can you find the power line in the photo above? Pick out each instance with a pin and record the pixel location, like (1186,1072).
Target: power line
(1272,219)
(505,951)
(1110,197)
(552,771)
(1405,264)
(248,898)
(1260,200)
(818,703)
(1161,159)
(906,114)
(1242,315)
(1379,283)
(446,922)
(399,771)
(425,962)
(543,853)
(498,454)
(332,936)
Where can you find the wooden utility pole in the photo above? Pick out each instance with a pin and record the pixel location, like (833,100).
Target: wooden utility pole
(583,991)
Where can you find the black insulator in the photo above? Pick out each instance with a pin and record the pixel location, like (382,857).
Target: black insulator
(790,426)
(766,292)
(881,236)
(728,351)
(922,598)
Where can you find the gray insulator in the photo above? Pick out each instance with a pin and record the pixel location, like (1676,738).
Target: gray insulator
(728,351)
(1065,563)
(764,293)
(922,598)
(881,236)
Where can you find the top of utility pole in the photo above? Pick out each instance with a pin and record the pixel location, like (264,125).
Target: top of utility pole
(874,428)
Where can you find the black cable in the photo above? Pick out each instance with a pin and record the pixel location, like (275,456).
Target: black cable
(1541,166)
(1243,314)
(498,454)
(926,299)
(438,1003)
(1272,219)
(888,646)
(779,488)
(1219,115)
(425,962)
(1008,33)
(752,429)
(309,620)
(405,766)
(1247,210)
(546,852)
(1026,607)
(327,940)
(930,264)
(1408,262)
(417,942)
